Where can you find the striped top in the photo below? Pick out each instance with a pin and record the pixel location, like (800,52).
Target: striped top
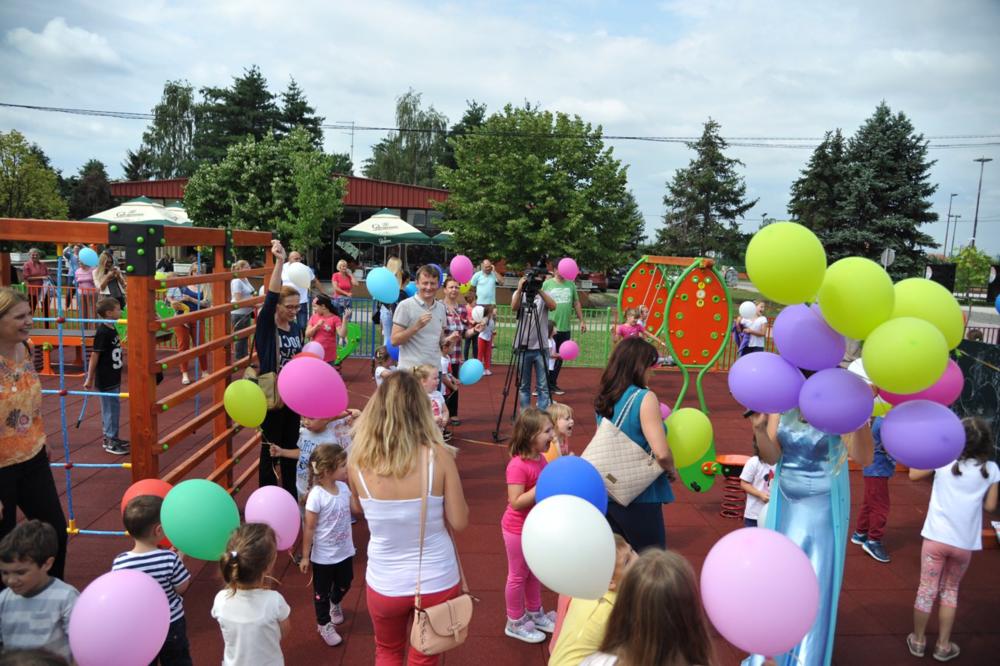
(166,569)
(38,621)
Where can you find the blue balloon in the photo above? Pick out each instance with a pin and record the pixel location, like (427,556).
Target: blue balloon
(393,350)
(440,274)
(572,475)
(410,289)
(471,371)
(88,257)
(382,285)
(996,304)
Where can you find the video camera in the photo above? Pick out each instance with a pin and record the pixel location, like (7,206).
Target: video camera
(534,278)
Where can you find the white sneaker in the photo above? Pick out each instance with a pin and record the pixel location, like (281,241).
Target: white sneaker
(336,614)
(523,630)
(543,621)
(329,634)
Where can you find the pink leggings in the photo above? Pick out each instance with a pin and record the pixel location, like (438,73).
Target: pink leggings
(941,568)
(523,588)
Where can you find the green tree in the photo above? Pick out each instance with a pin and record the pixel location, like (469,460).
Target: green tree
(472,119)
(532,183)
(342,164)
(412,154)
(282,185)
(168,143)
(28,188)
(226,116)
(972,269)
(704,200)
(138,165)
(296,112)
(92,193)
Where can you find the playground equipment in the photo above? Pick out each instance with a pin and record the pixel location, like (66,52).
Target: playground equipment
(689,310)
(145,324)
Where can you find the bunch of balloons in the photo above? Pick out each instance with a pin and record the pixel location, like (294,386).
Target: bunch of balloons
(908,329)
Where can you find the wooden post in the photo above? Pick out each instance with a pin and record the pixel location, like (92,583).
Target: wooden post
(142,384)
(4,269)
(221,357)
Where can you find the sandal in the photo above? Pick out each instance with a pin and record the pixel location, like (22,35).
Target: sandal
(916,649)
(947,654)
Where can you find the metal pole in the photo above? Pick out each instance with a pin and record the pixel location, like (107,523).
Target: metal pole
(954,232)
(975,220)
(948,224)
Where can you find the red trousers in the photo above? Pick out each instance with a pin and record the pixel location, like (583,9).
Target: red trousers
(391,617)
(485,352)
(874,508)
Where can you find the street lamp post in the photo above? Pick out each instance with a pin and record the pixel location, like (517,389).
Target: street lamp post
(948,224)
(953,232)
(975,220)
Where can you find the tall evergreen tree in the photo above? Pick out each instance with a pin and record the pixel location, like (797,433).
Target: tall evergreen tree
(138,165)
(169,140)
(704,200)
(819,198)
(296,112)
(92,193)
(226,116)
(473,118)
(412,154)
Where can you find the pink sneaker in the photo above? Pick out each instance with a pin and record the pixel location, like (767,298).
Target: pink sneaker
(336,614)
(329,634)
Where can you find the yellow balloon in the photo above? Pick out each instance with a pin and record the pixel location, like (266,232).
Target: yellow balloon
(464,289)
(880,407)
(905,355)
(786,262)
(689,434)
(245,403)
(855,297)
(927,300)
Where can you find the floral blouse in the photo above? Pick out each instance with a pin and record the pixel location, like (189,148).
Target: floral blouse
(22,433)
(456,322)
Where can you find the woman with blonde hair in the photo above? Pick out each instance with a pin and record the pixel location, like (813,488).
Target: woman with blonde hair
(240,289)
(108,278)
(396,443)
(395,267)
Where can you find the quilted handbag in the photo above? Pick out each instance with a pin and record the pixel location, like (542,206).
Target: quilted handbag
(445,625)
(267,381)
(626,467)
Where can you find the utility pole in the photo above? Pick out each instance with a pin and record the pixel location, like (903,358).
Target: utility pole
(954,232)
(975,220)
(947,224)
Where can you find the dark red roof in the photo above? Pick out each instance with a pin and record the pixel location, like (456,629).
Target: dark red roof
(361,192)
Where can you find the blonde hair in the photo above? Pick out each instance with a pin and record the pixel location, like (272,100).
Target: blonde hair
(530,422)
(325,458)
(395,423)
(558,410)
(102,266)
(10,298)
(241,265)
(342,262)
(250,552)
(425,371)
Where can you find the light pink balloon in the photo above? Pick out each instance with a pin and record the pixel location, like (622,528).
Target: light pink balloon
(944,391)
(314,348)
(568,269)
(759,590)
(312,388)
(461,268)
(569,350)
(664,410)
(275,506)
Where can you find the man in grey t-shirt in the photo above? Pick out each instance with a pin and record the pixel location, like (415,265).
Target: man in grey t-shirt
(532,338)
(418,323)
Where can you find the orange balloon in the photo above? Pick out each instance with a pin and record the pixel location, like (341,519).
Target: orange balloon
(154,487)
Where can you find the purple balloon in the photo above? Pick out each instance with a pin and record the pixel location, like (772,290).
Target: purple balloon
(836,401)
(923,434)
(765,383)
(804,339)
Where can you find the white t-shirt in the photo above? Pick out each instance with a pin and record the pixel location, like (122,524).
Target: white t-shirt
(955,514)
(241,290)
(332,542)
(380,372)
(249,621)
(760,324)
(487,332)
(303,293)
(437,403)
(308,441)
(600,659)
(758,474)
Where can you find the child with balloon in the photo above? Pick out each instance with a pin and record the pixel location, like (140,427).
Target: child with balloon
(325,327)
(488,318)
(562,417)
(382,365)
(753,325)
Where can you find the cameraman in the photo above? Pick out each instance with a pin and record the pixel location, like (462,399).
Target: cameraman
(531,339)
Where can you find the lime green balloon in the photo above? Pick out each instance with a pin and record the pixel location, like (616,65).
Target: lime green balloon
(198,517)
(905,355)
(786,262)
(689,434)
(245,403)
(856,296)
(927,300)
(880,407)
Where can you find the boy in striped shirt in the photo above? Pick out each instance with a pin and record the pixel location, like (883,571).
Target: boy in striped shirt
(142,520)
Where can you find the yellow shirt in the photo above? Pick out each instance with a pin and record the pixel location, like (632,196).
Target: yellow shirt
(582,630)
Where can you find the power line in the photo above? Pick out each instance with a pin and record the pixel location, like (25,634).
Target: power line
(737,141)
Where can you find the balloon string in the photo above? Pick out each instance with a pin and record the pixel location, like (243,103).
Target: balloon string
(976,360)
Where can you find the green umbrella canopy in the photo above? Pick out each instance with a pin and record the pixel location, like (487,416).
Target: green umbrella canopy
(140,210)
(384,228)
(443,238)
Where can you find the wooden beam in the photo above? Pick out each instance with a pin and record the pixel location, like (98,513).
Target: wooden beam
(53,231)
(200,350)
(188,464)
(141,384)
(190,427)
(225,467)
(194,235)
(222,356)
(242,238)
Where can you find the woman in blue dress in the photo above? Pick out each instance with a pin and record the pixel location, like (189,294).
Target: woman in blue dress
(812,508)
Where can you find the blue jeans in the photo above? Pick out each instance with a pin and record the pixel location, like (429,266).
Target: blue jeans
(110,411)
(749,522)
(302,318)
(533,358)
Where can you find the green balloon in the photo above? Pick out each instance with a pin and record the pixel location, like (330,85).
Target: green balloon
(689,434)
(198,517)
(856,296)
(786,262)
(245,403)
(927,300)
(905,355)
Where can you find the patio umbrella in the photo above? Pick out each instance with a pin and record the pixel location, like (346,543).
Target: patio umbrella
(179,215)
(383,228)
(139,210)
(444,239)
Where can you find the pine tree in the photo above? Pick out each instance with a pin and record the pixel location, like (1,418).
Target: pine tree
(226,116)
(92,193)
(472,119)
(704,201)
(137,165)
(296,112)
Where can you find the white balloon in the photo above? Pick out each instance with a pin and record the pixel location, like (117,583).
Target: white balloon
(857,366)
(298,274)
(569,546)
(762,516)
(477,313)
(748,310)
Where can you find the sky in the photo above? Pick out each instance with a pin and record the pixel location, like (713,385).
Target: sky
(760,68)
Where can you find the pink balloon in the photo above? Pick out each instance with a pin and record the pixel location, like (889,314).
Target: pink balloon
(759,590)
(944,391)
(568,269)
(461,268)
(664,410)
(122,617)
(275,506)
(312,388)
(314,348)
(569,350)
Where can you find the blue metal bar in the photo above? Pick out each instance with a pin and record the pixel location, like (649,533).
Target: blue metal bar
(197,342)
(93,465)
(83,393)
(62,396)
(79,320)
(102,532)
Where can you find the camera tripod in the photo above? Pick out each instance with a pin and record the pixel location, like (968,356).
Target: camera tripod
(528,320)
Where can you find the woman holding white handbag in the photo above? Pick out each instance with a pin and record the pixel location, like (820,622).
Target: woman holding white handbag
(625,398)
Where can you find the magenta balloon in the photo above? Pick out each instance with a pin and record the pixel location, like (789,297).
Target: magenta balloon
(314,348)
(836,401)
(944,391)
(568,269)
(461,268)
(765,383)
(664,411)
(923,434)
(805,340)
(275,506)
(122,618)
(569,350)
(759,590)
(312,388)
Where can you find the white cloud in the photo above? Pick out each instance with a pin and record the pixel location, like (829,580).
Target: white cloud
(64,44)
